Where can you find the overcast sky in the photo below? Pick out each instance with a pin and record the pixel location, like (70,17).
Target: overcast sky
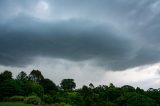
(98,41)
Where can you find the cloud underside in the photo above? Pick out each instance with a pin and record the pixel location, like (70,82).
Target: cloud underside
(23,38)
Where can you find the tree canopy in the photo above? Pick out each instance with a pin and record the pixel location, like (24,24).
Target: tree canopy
(68,84)
(35,85)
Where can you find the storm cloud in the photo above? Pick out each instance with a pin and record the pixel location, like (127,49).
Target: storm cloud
(117,34)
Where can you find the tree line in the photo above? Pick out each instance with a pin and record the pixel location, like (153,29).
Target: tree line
(35,84)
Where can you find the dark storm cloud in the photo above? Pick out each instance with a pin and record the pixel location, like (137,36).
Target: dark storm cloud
(76,40)
(116,34)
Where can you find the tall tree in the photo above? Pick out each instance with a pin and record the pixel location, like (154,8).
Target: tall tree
(68,84)
(6,75)
(49,86)
(128,88)
(91,86)
(36,76)
(22,76)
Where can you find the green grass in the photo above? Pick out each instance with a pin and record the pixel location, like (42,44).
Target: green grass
(23,104)
(14,104)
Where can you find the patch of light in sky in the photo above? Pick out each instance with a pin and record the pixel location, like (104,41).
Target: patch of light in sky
(42,10)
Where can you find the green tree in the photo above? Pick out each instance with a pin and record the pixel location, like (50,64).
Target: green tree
(141,100)
(49,87)
(154,94)
(10,88)
(75,99)
(88,95)
(22,76)
(6,75)
(91,86)
(128,88)
(36,76)
(33,88)
(111,85)
(68,84)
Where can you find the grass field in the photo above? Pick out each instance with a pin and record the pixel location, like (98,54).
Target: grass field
(14,104)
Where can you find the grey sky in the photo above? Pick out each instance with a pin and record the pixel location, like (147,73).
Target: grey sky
(112,34)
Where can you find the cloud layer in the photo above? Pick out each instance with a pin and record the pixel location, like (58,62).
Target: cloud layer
(114,34)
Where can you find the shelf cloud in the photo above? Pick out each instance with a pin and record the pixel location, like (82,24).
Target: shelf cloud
(114,34)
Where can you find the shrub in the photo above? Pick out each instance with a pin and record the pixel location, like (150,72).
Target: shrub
(33,100)
(17,98)
(48,99)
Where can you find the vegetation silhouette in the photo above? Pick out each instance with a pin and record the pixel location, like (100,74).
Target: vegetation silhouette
(36,89)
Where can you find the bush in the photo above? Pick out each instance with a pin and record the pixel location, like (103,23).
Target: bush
(48,99)
(33,100)
(17,98)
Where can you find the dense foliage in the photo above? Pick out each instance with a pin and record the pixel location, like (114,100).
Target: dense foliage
(35,88)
